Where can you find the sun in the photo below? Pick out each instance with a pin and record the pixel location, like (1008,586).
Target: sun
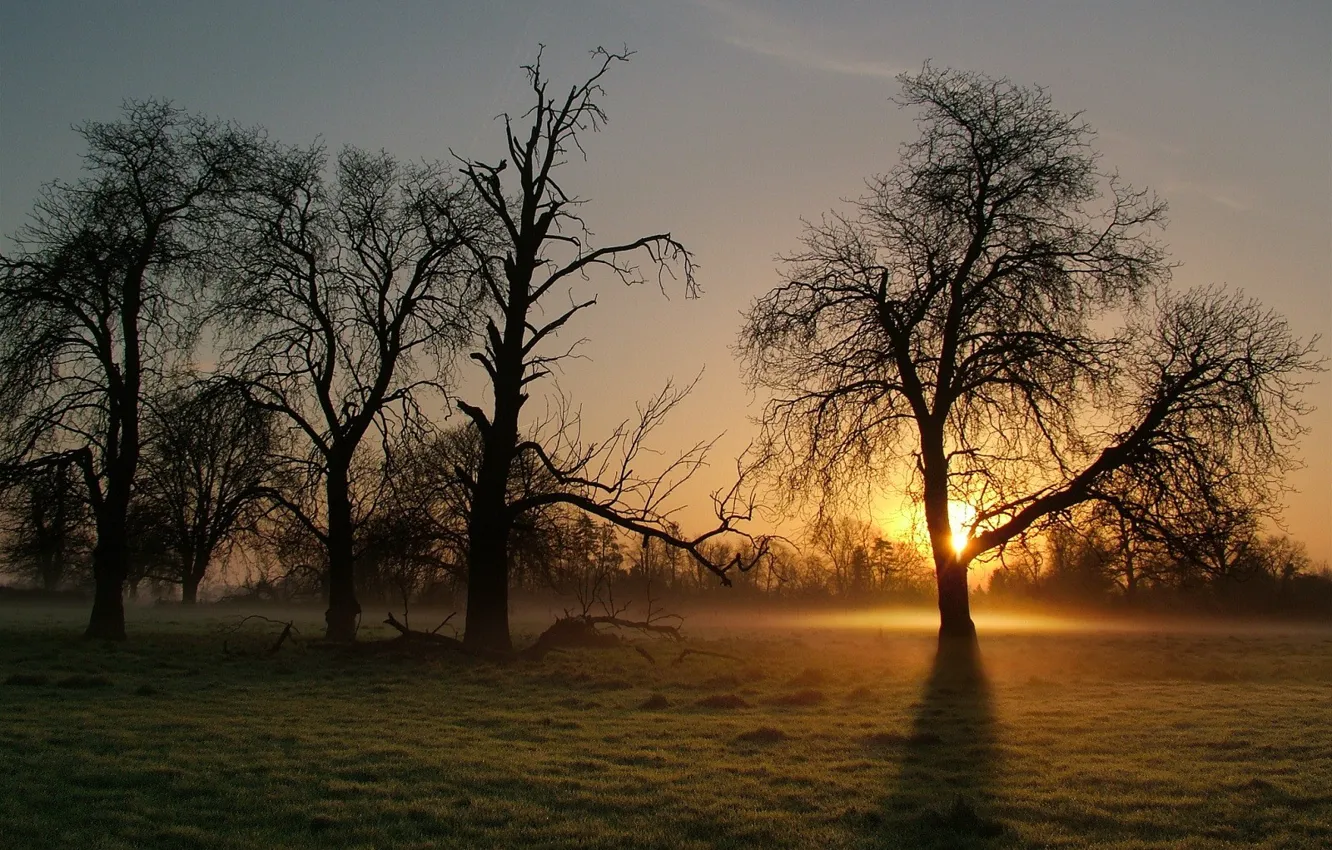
(906,519)
(960,517)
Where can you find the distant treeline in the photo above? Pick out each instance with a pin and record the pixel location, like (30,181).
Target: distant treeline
(415,555)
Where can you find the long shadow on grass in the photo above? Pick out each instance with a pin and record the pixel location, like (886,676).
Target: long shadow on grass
(947,763)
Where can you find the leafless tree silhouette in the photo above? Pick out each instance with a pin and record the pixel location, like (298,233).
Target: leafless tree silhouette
(207,467)
(348,300)
(91,306)
(543,249)
(957,319)
(48,534)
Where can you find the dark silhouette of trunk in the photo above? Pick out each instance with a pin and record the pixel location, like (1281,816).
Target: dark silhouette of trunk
(1126,534)
(488,525)
(1130,576)
(111,555)
(50,576)
(189,590)
(193,569)
(487,584)
(53,565)
(107,620)
(53,558)
(954,607)
(950,567)
(343,609)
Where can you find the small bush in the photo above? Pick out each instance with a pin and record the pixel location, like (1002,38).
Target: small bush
(28,679)
(807,697)
(808,678)
(655,702)
(761,735)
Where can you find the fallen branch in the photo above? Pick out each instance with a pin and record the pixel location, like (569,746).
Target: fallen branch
(673,632)
(432,638)
(405,633)
(286,633)
(288,629)
(569,632)
(443,623)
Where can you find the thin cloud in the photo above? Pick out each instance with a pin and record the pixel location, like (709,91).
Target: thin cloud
(1224,196)
(766,34)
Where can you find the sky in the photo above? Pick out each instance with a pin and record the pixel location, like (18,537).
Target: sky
(733,121)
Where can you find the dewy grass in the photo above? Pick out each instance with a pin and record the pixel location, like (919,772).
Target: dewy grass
(1068,739)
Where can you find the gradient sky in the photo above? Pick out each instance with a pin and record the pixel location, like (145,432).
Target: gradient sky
(734,120)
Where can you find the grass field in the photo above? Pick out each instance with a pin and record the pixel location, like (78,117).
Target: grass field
(819,737)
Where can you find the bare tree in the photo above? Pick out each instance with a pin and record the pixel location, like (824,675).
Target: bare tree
(846,543)
(91,307)
(956,320)
(48,532)
(542,252)
(348,302)
(208,463)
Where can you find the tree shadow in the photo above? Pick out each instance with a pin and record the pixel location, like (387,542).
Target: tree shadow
(948,763)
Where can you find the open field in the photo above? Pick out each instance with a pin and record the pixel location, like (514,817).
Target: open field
(817,737)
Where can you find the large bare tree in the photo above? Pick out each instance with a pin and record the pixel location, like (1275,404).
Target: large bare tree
(348,301)
(92,303)
(528,298)
(955,329)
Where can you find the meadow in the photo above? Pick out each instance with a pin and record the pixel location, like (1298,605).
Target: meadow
(814,733)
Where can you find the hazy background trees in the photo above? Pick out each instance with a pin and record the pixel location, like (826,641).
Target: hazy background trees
(47,527)
(210,461)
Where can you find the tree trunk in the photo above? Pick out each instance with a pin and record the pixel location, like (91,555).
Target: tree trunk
(189,589)
(51,568)
(954,606)
(193,567)
(343,610)
(950,569)
(107,620)
(487,626)
(488,524)
(1130,571)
